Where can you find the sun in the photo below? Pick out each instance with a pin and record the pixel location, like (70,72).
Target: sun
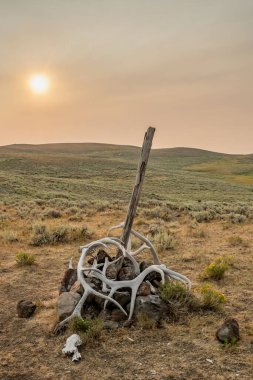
(39,83)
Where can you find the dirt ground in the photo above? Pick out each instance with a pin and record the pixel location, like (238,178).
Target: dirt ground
(186,350)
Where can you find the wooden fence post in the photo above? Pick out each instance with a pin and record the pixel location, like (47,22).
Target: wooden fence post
(146,147)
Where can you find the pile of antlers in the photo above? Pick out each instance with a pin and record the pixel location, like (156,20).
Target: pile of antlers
(110,286)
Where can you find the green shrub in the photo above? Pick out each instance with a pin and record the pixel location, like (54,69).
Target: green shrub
(237,218)
(204,216)
(54,214)
(211,298)
(216,269)
(43,234)
(172,292)
(24,258)
(164,241)
(90,329)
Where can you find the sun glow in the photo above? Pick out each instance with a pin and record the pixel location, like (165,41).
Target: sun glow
(39,83)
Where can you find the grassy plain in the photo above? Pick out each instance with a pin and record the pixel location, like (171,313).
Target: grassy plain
(196,206)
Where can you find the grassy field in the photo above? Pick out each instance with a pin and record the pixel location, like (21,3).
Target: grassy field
(196,207)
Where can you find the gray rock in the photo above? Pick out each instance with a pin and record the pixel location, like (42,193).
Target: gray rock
(228,332)
(25,309)
(69,278)
(77,288)
(66,304)
(111,325)
(152,306)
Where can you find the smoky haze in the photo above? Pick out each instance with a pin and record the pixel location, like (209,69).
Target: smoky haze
(116,67)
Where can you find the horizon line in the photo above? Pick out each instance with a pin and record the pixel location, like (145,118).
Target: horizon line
(125,145)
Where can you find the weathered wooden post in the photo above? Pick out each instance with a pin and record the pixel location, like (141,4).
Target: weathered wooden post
(146,147)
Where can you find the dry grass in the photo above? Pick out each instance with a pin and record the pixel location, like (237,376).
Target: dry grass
(177,351)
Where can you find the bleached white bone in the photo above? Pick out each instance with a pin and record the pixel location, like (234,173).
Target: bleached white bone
(70,347)
(112,286)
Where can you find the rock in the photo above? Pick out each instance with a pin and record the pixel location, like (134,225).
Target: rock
(126,262)
(229,331)
(90,311)
(111,325)
(69,278)
(99,301)
(105,315)
(100,256)
(117,315)
(126,273)
(153,276)
(66,304)
(96,285)
(112,271)
(143,265)
(123,298)
(152,306)
(77,288)
(25,309)
(144,289)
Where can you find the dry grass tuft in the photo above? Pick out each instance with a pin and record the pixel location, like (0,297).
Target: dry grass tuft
(212,299)
(25,259)
(216,270)
(145,322)
(237,240)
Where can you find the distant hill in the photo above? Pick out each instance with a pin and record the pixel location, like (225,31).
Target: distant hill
(91,171)
(85,147)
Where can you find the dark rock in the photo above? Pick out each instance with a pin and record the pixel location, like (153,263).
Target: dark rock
(96,285)
(123,298)
(99,301)
(69,278)
(126,273)
(144,289)
(66,303)
(143,265)
(112,271)
(100,256)
(25,309)
(90,311)
(105,315)
(152,306)
(126,262)
(117,315)
(153,276)
(228,332)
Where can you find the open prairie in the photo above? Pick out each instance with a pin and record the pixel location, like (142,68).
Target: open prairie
(196,206)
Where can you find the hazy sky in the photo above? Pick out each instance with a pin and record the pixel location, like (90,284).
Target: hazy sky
(118,66)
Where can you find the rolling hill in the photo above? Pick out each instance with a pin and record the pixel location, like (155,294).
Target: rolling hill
(105,172)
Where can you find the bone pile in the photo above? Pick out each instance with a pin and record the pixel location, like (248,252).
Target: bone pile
(110,279)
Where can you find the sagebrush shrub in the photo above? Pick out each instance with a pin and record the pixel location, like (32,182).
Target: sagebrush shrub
(216,269)
(164,241)
(90,329)
(211,298)
(23,258)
